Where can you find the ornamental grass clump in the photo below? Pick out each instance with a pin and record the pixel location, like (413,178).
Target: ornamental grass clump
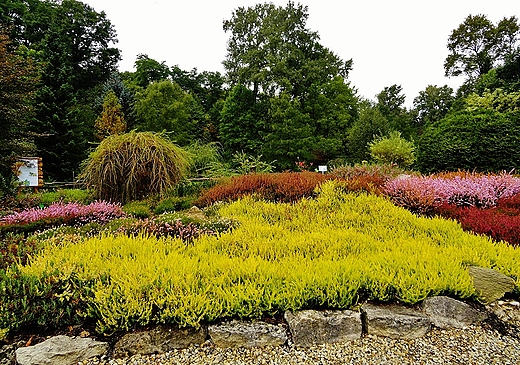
(133,166)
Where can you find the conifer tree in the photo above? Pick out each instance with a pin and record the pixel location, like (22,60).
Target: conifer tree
(112,120)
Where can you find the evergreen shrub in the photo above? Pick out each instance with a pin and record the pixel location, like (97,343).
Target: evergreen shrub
(66,196)
(484,139)
(173,204)
(137,209)
(393,149)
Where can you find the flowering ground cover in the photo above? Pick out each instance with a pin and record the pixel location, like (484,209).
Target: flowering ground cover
(331,251)
(75,213)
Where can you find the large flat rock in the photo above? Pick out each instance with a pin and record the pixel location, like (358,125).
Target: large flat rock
(395,321)
(159,340)
(310,327)
(446,312)
(247,334)
(61,350)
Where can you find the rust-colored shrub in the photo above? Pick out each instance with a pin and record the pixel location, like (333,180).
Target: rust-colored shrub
(279,187)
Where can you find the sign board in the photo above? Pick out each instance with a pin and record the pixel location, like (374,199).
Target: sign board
(30,171)
(322,169)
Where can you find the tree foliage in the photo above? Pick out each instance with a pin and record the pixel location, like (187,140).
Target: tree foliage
(18,77)
(270,50)
(73,44)
(149,70)
(164,106)
(432,104)
(134,165)
(478,45)
(370,124)
(497,100)
(290,98)
(390,102)
(240,125)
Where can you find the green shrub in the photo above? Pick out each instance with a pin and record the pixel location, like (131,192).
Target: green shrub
(206,159)
(392,149)
(191,188)
(66,196)
(137,209)
(173,204)
(51,300)
(133,166)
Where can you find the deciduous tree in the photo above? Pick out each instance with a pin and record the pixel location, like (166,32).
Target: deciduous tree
(164,106)
(478,45)
(432,104)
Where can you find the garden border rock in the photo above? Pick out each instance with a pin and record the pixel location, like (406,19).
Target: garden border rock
(301,329)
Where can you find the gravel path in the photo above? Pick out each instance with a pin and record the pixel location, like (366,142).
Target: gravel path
(492,342)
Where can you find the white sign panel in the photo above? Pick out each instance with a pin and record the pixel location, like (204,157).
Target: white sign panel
(28,172)
(322,169)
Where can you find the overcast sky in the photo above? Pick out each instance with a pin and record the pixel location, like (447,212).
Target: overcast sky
(390,41)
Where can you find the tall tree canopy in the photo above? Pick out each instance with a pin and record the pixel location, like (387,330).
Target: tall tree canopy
(270,50)
(290,93)
(478,45)
(432,104)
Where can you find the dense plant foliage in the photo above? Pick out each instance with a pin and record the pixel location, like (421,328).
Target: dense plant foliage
(134,165)
(18,78)
(393,149)
(278,187)
(484,139)
(332,252)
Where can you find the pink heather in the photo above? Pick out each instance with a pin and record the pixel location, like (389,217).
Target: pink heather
(480,191)
(99,211)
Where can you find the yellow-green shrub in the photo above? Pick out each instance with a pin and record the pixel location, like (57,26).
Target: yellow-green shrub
(331,252)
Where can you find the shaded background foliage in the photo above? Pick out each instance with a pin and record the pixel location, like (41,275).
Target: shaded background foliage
(284,96)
